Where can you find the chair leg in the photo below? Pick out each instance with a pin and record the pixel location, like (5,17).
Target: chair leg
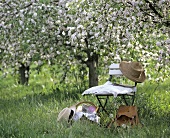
(133,99)
(103,105)
(130,97)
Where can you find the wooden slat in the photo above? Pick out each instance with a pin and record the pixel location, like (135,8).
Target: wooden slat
(114,66)
(115,72)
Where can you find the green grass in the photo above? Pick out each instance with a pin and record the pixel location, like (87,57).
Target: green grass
(31,111)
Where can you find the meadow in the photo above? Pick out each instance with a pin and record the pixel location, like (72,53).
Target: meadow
(31,111)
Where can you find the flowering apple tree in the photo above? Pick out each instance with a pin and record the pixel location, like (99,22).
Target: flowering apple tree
(28,30)
(89,33)
(121,29)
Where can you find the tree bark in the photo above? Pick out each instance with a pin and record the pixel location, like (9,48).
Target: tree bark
(93,75)
(24,74)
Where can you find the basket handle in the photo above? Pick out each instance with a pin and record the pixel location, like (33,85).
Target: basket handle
(85,102)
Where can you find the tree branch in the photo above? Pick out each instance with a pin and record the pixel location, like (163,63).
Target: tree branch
(153,8)
(11,8)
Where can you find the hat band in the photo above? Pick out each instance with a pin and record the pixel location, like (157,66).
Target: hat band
(135,73)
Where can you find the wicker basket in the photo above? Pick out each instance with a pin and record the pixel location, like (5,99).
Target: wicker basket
(85,103)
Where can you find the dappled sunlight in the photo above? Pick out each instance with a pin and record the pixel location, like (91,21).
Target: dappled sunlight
(34,112)
(51,51)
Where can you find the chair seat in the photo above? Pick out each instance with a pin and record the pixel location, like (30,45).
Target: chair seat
(110,89)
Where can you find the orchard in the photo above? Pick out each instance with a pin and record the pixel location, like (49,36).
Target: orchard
(91,34)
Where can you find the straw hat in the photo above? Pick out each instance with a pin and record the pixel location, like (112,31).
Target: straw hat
(66,113)
(133,71)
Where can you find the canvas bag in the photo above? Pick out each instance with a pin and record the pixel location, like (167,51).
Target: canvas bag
(126,115)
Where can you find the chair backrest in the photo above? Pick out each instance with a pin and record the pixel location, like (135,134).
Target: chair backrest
(114,70)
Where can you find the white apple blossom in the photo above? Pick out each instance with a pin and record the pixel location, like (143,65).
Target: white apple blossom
(158,43)
(43,29)
(34,14)
(82,40)
(58,52)
(168,41)
(63,33)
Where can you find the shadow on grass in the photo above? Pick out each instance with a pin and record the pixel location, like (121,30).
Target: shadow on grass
(153,121)
(41,97)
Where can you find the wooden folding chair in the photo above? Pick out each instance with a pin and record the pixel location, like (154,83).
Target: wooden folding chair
(128,98)
(132,71)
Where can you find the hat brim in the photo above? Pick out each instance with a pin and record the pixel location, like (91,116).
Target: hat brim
(125,67)
(66,113)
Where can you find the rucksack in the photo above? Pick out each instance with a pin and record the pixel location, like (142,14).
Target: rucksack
(126,115)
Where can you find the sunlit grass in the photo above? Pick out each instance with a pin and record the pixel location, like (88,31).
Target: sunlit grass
(31,111)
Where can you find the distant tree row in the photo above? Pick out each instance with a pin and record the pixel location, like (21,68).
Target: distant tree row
(90,33)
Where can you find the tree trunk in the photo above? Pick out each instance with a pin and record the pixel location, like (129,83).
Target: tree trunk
(93,75)
(24,74)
